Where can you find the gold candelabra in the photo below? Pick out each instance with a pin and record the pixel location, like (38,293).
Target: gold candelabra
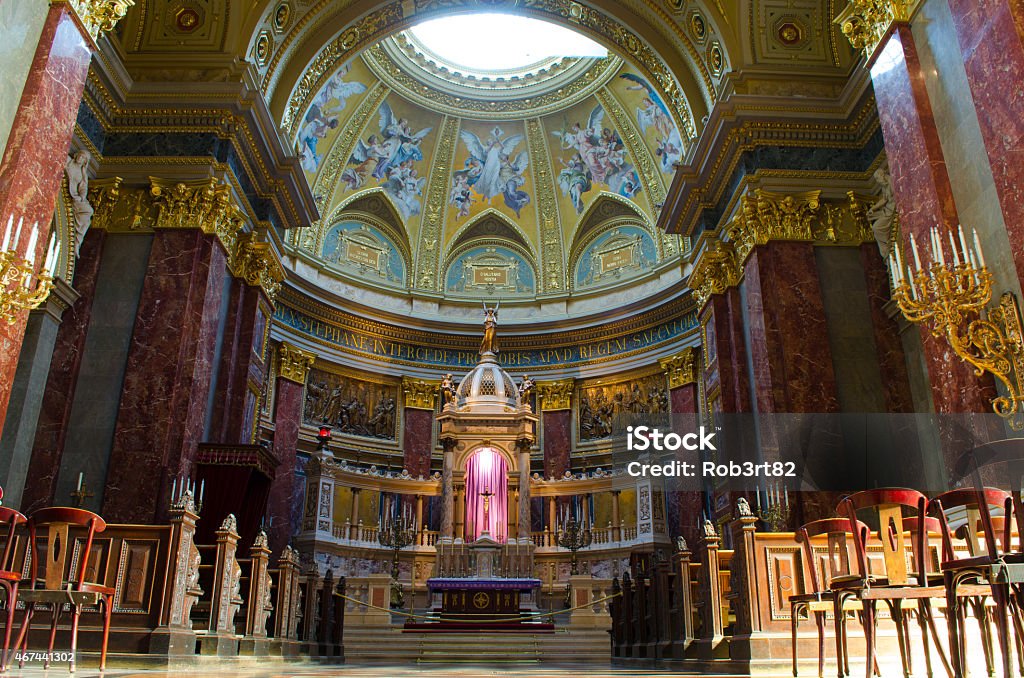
(21,288)
(952,297)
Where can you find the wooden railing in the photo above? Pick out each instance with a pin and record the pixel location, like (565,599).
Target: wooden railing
(177,598)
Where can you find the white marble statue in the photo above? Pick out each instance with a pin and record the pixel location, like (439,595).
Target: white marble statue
(883,211)
(77,171)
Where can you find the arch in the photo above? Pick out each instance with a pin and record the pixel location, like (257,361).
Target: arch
(625,237)
(376,202)
(307,60)
(470,250)
(486,470)
(603,208)
(491,224)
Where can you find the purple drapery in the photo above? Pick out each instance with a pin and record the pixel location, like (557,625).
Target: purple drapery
(485,470)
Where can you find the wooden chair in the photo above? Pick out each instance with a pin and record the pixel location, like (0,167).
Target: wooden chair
(976,574)
(59,586)
(818,600)
(10,577)
(901,588)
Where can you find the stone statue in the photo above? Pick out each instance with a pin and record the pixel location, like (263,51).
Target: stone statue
(883,211)
(525,388)
(490,340)
(447,389)
(743,507)
(77,171)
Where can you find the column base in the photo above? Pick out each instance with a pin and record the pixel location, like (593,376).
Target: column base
(172,642)
(219,645)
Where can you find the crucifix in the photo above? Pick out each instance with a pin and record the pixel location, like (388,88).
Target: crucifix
(486,494)
(79,496)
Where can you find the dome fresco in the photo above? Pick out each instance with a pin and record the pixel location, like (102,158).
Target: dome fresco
(535,150)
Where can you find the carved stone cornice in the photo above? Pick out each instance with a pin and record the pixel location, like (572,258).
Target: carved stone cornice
(294,363)
(420,394)
(681,368)
(100,16)
(256,262)
(555,395)
(865,23)
(717,269)
(204,204)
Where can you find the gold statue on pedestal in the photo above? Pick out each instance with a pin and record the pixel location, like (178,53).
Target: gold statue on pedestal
(489,344)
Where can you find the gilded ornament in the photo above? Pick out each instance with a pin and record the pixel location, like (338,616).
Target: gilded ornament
(256,262)
(553,278)
(420,394)
(717,269)
(681,368)
(100,16)
(866,22)
(294,363)
(555,395)
(433,217)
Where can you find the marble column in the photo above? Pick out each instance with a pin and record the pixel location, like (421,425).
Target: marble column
(556,422)
(724,363)
(62,381)
(924,198)
(448,490)
(616,516)
(524,526)
(892,360)
(33,161)
(292,368)
(354,514)
(990,34)
(419,519)
(167,380)
(418,426)
(30,380)
(684,507)
(243,365)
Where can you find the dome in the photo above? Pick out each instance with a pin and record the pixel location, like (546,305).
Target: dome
(488,388)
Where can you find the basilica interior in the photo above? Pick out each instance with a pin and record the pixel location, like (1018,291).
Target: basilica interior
(322,323)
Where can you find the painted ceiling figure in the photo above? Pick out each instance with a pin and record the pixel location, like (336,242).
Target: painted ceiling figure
(490,340)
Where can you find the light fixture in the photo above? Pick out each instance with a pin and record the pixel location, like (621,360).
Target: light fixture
(21,287)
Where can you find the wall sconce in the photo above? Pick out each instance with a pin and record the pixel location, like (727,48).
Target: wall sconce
(952,298)
(21,288)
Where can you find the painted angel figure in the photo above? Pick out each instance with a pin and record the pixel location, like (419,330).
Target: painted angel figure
(654,113)
(498,165)
(337,88)
(400,141)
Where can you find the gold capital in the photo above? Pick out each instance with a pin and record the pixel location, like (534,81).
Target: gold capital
(717,269)
(555,395)
(293,363)
(681,368)
(866,22)
(420,394)
(256,262)
(205,204)
(100,16)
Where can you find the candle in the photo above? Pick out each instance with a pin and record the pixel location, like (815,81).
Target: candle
(938,247)
(174,488)
(80,481)
(202,487)
(952,246)
(786,495)
(759,500)
(899,260)
(977,248)
(17,233)
(31,251)
(7,234)
(963,243)
(917,257)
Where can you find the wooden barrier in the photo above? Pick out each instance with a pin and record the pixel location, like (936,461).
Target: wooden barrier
(168,587)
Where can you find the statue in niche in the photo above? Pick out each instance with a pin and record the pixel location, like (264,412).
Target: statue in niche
(526,388)
(489,344)
(77,171)
(883,211)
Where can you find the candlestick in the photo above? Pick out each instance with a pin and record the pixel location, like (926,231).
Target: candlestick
(79,488)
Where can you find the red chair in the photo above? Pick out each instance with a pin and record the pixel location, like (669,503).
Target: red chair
(59,586)
(976,575)
(900,588)
(9,576)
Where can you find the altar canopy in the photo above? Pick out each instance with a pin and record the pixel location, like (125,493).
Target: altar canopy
(486,471)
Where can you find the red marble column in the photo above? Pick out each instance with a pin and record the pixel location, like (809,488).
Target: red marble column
(557,442)
(287,419)
(243,367)
(789,346)
(417,441)
(921,186)
(33,161)
(724,358)
(685,508)
(991,37)
(167,379)
(51,430)
(892,361)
